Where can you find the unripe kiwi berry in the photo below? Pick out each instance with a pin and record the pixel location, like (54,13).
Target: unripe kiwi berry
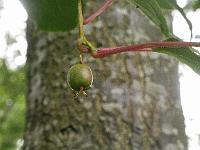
(80,77)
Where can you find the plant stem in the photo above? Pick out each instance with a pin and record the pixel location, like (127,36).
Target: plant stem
(103,52)
(101,9)
(80,20)
(82,39)
(81,29)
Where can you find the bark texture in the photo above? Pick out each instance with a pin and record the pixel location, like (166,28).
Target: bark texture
(134,103)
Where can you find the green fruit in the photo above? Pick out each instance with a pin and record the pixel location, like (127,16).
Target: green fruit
(80,77)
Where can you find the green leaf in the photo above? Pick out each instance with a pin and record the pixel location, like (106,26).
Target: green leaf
(186,55)
(12,92)
(152,10)
(196,4)
(52,15)
(172,4)
(166,4)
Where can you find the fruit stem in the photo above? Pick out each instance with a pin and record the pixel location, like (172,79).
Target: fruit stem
(100,10)
(81,58)
(80,19)
(103,52)
(82,39)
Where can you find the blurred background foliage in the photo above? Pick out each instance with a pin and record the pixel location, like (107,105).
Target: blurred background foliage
(12,81)
(12,99)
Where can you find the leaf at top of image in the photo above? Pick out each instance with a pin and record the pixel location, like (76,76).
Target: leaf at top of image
(52,15)
(195,4)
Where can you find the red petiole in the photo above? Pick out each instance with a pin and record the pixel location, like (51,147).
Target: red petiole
(103,52)
(101,9)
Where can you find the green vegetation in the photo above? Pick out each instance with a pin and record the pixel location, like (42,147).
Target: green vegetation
(12,106)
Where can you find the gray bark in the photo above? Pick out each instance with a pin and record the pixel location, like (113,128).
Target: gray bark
(134,103)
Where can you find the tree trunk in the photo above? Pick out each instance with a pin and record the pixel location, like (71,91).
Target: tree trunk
(134,103)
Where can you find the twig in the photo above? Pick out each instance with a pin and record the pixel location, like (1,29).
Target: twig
(103,52)
(101,9)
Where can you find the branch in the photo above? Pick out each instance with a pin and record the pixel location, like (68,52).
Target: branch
(103,52)
(101,9)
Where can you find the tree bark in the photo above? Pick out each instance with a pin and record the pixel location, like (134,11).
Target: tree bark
(134,103)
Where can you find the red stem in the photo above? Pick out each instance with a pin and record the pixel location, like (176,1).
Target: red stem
(101,9)
(103,52)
